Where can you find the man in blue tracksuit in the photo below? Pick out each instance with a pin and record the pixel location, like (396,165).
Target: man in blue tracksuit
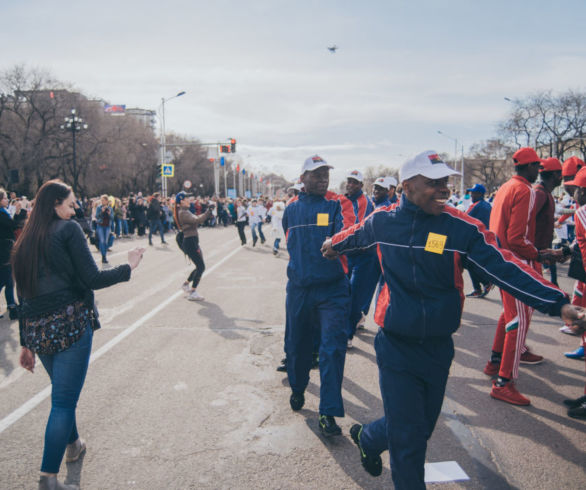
(317,295)
(424,246)
(362,265)
(479,209)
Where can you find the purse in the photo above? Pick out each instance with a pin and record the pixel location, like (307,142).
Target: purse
(576,268)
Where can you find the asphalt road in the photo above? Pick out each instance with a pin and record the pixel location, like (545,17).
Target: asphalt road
(185,395)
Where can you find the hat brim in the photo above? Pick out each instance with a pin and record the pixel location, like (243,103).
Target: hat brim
(315,168)
(436,171)
(575,183)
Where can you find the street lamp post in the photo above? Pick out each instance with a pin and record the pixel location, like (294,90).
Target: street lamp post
(164,141)
(455,140)
(74,124)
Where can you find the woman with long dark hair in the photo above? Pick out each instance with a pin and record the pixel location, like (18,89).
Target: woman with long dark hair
(55,277)
(187,224)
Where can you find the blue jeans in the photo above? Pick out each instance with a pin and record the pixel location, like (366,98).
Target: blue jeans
(103,239)
(276,244)
(154,225)
(67,371)
(253,230)
(121,227)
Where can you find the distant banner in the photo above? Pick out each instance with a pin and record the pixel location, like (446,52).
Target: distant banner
(232,193)
(114,109)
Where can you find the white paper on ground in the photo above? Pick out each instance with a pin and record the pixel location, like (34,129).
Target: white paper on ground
(444,471)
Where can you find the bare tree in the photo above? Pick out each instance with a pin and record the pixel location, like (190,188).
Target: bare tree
(489,163)
(552,124)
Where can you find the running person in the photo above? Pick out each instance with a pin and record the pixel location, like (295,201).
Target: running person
(187,222)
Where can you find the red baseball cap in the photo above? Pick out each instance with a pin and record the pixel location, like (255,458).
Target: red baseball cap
(525,155)
(571,166)
(550,165)
(579,178)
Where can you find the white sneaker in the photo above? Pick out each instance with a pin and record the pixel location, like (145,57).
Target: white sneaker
(186,287)
(195,296)
(349,343)
(567,330)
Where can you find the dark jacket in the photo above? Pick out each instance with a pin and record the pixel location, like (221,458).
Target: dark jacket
(70,273)
(154,210)
(423,257)
(307,222)
(7,227)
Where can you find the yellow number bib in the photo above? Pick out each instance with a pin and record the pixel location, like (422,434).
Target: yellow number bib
(435,243)
(322,219)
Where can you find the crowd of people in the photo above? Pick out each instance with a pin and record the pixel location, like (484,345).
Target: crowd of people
(408,247)
(404,247)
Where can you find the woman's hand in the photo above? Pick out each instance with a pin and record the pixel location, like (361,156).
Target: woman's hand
(27,359)
(134,257)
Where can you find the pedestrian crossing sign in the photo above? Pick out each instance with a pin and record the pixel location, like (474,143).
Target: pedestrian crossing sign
(168,170)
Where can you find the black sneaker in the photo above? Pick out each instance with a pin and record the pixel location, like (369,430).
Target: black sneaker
(254,240)
(328,426)
(578,412)
(474,294)
(283,367)
(297,401)
(373,465)
(575,403)
(104,260)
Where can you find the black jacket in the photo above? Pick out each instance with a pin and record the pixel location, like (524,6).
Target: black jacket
(7,227)
(154,210)
(70,273)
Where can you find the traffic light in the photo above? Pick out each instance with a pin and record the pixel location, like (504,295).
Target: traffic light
(233,145)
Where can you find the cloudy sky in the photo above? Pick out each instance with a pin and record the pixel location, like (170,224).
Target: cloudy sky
(259,70)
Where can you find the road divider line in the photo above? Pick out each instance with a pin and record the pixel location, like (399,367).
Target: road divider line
(46,392)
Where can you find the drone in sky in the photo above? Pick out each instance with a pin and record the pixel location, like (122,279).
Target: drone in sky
(332,49)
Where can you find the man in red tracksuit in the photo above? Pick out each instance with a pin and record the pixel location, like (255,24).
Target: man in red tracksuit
(513,221)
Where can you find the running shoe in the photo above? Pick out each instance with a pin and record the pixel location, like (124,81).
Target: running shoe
(186,287)
(361,322)
(491,368)
(577,354)
(578,412)
(575,403)
(195,296)
(530,358)
(474,294)
(297,401)
(373,465)
(328,426)
(508,393)
(568,331)
(349,346)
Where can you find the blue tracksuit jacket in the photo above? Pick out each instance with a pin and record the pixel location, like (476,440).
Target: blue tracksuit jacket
(422,258)
(307,222)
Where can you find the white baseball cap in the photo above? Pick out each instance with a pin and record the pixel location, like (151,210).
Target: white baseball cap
(391,181)
(313,163)
(356,175)
(429,164)
(381,182)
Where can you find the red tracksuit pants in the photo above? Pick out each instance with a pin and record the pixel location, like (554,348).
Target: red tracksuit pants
(511,332)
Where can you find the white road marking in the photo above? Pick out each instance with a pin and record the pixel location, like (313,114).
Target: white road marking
(46,392)
(444,471)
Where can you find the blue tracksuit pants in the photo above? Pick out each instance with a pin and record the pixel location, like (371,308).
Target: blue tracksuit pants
(325,305)
(363,272)
(413,379)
